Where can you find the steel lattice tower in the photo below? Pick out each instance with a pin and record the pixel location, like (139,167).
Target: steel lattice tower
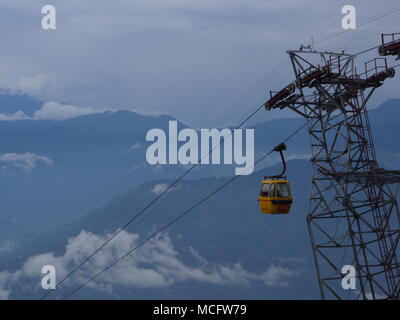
(353,216)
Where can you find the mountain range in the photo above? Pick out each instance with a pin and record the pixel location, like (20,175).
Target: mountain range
(62,178)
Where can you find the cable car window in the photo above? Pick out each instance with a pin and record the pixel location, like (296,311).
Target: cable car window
(272,191)
(265,190)
(282,190)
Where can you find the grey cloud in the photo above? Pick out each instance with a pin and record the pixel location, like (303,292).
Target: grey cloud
(156,265)
(16,116)
(159,188)
(25,161)
(55,111)
(33,85)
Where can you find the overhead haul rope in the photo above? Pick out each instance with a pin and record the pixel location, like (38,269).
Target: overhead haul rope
(155,200)
(253,91)
(142,211)
(178,218)
(372,19)
(166,226)
(240,103)
(123,205)
(361,33)
(250,93)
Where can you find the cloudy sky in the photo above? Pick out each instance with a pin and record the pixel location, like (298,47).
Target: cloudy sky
(194,59)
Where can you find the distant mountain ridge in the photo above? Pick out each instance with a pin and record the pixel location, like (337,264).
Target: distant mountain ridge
(19,101)
(63,176)
(97,156)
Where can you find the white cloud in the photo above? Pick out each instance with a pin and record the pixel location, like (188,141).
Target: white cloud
(276,276)
(136,146)
(155,265)
(33,85)
(19,115)
(197,256)
(52,110)
(159,188)
(55,111)
(24,161)
(143,112)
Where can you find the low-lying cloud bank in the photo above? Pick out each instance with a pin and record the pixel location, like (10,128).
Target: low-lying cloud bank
(55,111)
(155,265)
(24,161)
(52,111)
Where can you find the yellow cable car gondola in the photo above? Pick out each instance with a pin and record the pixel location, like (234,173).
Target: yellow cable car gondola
(275,196)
